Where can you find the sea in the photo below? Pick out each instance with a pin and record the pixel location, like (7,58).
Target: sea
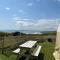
(26,31)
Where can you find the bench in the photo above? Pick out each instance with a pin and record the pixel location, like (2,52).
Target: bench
(36,51)
(16,51)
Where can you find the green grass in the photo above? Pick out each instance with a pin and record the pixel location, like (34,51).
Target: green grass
(3,57)
(11,42)
(47,50)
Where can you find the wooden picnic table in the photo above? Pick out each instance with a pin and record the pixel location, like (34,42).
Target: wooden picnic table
(27,46)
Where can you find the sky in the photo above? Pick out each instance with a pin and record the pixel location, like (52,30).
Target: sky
(29,14)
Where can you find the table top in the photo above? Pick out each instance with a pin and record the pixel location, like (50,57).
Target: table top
(28,44)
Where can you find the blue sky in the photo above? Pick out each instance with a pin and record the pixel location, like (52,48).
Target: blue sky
(29,14)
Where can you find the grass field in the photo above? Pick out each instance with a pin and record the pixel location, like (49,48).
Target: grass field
(11,42)
(46,51)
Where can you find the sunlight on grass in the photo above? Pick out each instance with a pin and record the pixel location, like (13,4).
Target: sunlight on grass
(47,50)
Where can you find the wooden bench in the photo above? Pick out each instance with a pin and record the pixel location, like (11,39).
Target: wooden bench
(36,51)
(16,51)
(34,55)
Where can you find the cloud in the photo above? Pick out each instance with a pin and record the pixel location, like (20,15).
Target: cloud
(16,18)
(20,11)
(14,15)
(29,4)
(7,8)
(41,24)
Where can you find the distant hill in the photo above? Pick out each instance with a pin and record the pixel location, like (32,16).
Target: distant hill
(29,31)
(49,32)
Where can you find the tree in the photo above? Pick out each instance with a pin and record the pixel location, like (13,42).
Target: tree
(49,40)
(16,33)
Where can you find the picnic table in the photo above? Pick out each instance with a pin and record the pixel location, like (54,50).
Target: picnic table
(28,44)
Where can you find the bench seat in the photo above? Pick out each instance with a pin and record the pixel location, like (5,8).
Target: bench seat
(17,50)
(36,51)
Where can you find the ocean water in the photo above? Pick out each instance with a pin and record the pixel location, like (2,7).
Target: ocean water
(26,31)
(23,31)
